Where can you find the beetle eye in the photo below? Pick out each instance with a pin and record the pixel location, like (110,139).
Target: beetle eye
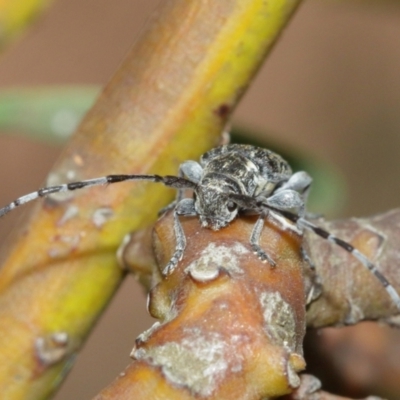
(231,206)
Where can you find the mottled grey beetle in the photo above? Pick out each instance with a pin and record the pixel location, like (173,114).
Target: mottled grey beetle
(229,180)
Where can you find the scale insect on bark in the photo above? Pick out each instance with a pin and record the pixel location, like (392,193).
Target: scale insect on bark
(229,181)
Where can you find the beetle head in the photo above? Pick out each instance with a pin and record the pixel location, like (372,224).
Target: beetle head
(213,205)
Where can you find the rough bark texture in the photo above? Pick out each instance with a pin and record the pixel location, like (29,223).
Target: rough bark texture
(349,292)
(230,326)
(338,281)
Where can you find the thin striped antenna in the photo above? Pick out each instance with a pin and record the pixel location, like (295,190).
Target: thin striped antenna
(365,261)
(168,180)
(357,254)
(260,205)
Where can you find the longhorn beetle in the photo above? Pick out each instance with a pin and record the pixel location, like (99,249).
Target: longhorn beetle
(230,180)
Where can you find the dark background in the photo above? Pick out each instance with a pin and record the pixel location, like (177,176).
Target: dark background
(331,89)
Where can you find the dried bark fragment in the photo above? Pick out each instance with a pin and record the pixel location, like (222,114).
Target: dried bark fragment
(230,326)
(310,390)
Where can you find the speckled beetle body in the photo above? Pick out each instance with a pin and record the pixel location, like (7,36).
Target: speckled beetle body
(231,180)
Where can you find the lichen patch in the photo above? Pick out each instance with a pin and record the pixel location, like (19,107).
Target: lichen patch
(214,258)
(199,361)
(279,320)
(50,349)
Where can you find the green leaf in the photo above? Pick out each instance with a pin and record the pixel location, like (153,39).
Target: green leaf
(50,114)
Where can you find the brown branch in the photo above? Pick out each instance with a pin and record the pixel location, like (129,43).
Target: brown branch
(230,326)
(374,236)
(350,293)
